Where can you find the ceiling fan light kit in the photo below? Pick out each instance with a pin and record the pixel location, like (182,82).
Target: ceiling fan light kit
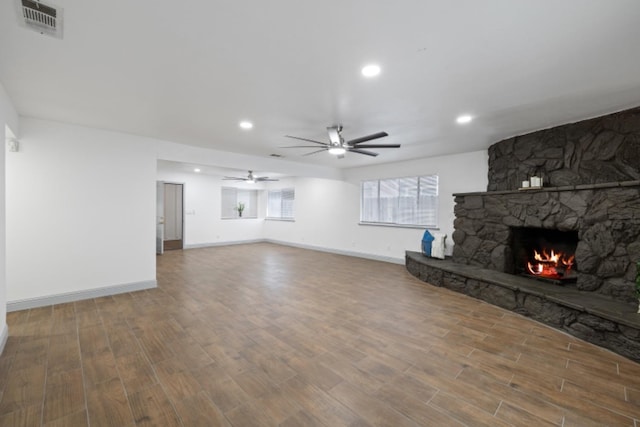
(338,146)
(337,151)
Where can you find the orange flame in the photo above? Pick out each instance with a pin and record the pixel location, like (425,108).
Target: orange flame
(553,265)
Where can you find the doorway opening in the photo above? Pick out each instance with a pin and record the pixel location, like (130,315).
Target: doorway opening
(170,226)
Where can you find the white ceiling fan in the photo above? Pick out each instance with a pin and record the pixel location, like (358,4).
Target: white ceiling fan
(338,146)
(250,178)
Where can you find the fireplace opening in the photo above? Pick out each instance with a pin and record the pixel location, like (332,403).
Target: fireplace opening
(544,254)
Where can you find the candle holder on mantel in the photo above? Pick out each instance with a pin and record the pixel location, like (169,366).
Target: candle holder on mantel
(535,183)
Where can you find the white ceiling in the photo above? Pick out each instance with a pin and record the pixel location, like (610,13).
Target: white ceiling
(188,71)
(217,171)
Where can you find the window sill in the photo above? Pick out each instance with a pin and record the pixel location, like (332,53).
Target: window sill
(281,219)
(385,224)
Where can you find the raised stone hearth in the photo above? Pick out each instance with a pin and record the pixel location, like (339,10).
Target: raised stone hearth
(595,318)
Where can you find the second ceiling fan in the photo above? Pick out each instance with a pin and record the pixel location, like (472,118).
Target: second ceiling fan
(250,178)
(338,146)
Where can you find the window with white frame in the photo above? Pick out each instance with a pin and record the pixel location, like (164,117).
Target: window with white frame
(400,201)
(280,203)
(232,198)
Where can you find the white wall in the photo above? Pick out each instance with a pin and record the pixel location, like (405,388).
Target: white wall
(328,211)
(8,117)
(203,225)
(81,207)
(80,210)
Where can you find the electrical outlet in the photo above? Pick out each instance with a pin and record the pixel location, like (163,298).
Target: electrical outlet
(14,145)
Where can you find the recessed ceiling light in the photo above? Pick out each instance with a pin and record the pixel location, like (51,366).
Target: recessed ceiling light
(371,70)
(246,124)
(464,119)
(196,170)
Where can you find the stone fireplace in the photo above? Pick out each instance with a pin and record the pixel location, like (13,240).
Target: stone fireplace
(588,209)
(605,218)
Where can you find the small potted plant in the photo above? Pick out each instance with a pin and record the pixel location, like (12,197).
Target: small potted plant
(240,208)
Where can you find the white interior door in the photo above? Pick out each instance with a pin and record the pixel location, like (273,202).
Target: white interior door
(173,216)
(159,217)
(172,211)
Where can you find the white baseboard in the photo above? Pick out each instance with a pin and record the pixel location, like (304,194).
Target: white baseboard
(232,242)
(374,257)
(4,335)
(383,258)
(79,295)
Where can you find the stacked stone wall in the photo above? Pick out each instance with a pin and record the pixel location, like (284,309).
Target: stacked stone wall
(601,150)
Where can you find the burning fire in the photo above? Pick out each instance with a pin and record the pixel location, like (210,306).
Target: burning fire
(550,264)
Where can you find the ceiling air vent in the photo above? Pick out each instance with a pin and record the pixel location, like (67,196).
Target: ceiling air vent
(44,18)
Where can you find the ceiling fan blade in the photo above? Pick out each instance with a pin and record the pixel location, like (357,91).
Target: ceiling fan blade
(379,146)
(367,138)
(314,152)
(264,178)
(305,139)
(368,153)
(232,178)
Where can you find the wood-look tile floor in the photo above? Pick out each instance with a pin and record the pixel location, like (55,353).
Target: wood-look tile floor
(265,335)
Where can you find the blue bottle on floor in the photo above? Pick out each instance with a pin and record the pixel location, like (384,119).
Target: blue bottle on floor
(427,240)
